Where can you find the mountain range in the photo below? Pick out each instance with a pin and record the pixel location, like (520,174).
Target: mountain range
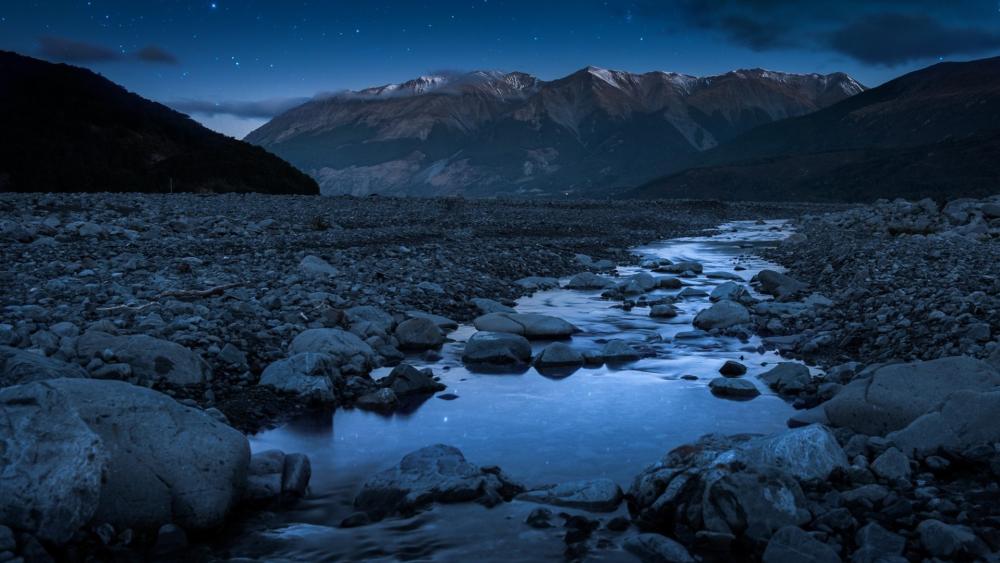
(67,129)
(592,133)
(934,133)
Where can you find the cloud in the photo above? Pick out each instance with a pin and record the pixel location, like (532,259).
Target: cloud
(70,51)
(893,39)
(156,55)
(259,109)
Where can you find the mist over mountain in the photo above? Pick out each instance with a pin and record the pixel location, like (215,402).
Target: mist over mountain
(491,133)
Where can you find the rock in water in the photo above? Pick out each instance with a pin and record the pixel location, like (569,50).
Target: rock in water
(732,369)
(654,548)
(351,354)
(497,348)
(174,464)
(558,354)
(51,464)
(437,473)
(308,374)
(151,359)
(779,285)
(529,325)
(787,377)
(596,495)
(589,280)
(419,334)
(619,352)
(405,379)
(727,387)
(723,314)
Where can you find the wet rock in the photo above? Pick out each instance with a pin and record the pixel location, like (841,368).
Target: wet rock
(539,518)
(619,352)
(437,473)
(589,280)
(151,359)
(892,465)
(487,306)
(536,283)
(787,377)
(405,379)
(443,323)
(597,495)
(308,374)
(317,267)
(724,314)
(808,453)
(670,283)
(296,472)
(384,400)
(663,311)
(351,354)
(779,285)
(419,334)
(355,520)
(895,395)
(21,366)
(558,354)
(946,540)
(497,348)
(875,543)
(791,544)
(732,291)
(691,293)
(529,325)
(619,524)
(964,419)
(738,388)
(681,267)
(654,548)
(732,369)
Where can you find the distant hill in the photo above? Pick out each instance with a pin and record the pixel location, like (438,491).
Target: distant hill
(931,133)
(491,133)
(67,129)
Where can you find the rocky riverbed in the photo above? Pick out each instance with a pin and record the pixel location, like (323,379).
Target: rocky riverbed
(182,317)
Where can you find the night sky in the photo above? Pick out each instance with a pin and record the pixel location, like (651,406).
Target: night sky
(231,64)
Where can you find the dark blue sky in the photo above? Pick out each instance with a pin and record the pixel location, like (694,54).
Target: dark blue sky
(245,59)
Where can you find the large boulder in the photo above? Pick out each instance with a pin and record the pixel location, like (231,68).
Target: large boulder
(893,396)
(351,354)
(963,420)
(589,280)
(161,462)
(151,359)
(21,366)
(419,334)
(558,354)
(787,377)
(497,348)
(779,285)
(309,374)
(723,314)
(51,464)
(807,453)
(437,473)
(595,495)
(529,325)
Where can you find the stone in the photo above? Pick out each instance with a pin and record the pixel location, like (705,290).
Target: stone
(619,352)
(309,374)
(419,334)
(529,325)
(721,315)
(7,540)
(152,359)
(892,465)
(536,283)
(539,518)
(963,420)
(384,400)
(443,323)
(739,388)
(808,453)
(787,377)
(792,544)
(558,354)
(589,280)
(595,495)
(351,354)
(732,369)
(875,542)
(895,395)
(438,473)
(296,472)
(21,366)
(314,266)
(367,319)
(497,348)
(654,548)
(175,464)
(405,379)
(663,311)
(732,291)
(779,285)
(949,541)
(487,306)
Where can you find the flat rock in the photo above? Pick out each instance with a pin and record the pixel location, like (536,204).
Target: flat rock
(589,280)
(497,348)
(595,495)
(529,325)
(487,306)
(728,387)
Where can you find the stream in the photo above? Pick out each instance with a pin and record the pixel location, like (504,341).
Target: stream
(595,422)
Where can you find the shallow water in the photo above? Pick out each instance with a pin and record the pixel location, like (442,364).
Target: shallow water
(600,422)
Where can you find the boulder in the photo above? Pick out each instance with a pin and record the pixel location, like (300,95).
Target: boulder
(443,323)
(487,306)
(405,379)
(529,325)
(963,420)
(437,473)
(807,453)
(497,348)
(21,366)
(723,314)
(893,396)
(950,541)
(732,369)
(309,374)
(383,400)
(619,352)
(792,544)
(663,311)
(558,354)
(589,280)
(892,465)
(787,377)
(152,359)
(875,543)
(595,495)
(366,319)
(314,266)
(419,334)
(680,268)
(732,291)
(174,464)
(351,354)
(536,283)
(654,548)
(779,285)
(727,387)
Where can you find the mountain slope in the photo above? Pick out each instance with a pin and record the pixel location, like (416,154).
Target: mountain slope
(490,133)
(931,133)
(68,129)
